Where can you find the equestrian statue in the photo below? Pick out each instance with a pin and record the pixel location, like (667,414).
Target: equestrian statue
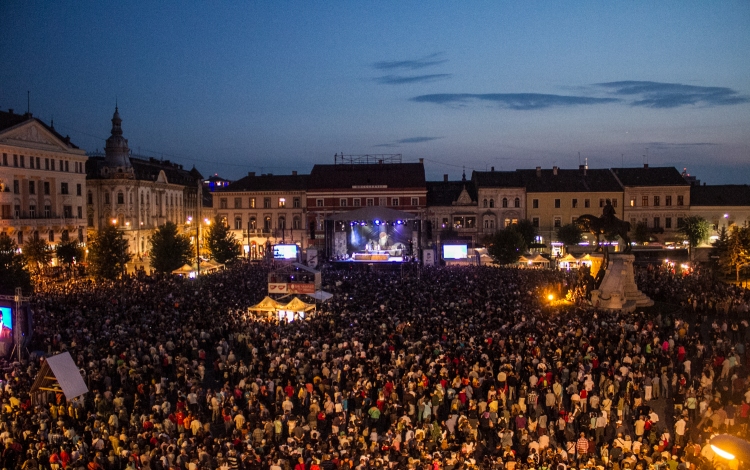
(607,224)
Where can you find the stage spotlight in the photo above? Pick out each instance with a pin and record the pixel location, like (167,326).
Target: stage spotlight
(363,223)
(377,222)
(351,224)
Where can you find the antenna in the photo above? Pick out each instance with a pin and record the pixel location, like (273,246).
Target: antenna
(28,102)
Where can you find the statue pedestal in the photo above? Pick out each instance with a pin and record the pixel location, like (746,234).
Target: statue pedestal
(618,290)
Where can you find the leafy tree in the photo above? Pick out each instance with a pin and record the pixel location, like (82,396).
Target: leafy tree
(506,246)
(37,254)
(526,228)
(570,234)
(108,253)
(641,233)
(69,252)
(695,229)
(721,246)
(12,273)
(737,252)
(170,250)
(221,242)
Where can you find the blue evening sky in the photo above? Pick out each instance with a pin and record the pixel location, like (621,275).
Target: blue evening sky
(278,86)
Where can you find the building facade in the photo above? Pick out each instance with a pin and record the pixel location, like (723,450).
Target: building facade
(42,182)
(451,210)
(501,198)
(138,194)
(264,210)
(722,205)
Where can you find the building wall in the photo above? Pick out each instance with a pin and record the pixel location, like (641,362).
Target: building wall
(499,207)
(658,206)
(43,185)
(550,217)
(720,217)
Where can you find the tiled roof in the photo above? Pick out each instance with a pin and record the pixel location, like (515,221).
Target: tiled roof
(652,176)
(720,195)
(392,175)
(569,181)
(148,170)
(497,179)
(8,120)
(268,183)
(444,193)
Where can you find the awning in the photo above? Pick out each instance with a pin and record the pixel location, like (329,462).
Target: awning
(267,305)
(60,374)
(296,305)
(320,295)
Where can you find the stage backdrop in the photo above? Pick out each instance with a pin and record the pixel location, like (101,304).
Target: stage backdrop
(366,238)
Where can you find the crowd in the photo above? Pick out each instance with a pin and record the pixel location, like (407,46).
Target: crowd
(441,368)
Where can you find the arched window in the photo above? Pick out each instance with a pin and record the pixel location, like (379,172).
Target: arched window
(267,223)
(238,223)
(65,237)
(484,203)
(505,202)
(517,203)
(253,223)
(120,198)
(492,203)
(282,222)
(36,235)
(106,197)
(296,223)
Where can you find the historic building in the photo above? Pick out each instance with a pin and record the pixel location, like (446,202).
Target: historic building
(501,199)
(42,181)
(139,194)
(722,205)
(264,209)
(451,210)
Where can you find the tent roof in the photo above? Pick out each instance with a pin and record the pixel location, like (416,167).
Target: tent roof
(296,305)
(185,269)
(373,213)
(568,258)
(539,259)
(320,295)
(267,305)
(60,372)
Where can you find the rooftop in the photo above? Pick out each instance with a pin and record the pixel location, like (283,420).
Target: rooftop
(10,119)
(390,175)
(268,182)
(580,180)
(650,176)
(720,195)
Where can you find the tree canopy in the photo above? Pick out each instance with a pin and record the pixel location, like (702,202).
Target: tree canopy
(108,253)
(570,234)
(37,254)
(221,242)
(69,252)
(506,246)
(12,272)
(526,229)
(735,254)
(170,250)
(695,229)
(641,233)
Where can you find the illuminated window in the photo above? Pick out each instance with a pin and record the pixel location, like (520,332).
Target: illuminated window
(282,202)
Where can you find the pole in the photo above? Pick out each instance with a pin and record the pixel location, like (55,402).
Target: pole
(17,326)
(198,244)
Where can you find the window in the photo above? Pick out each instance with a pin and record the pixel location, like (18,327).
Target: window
(67,165)
(51,236)
(415,201)
(23,161)
(471,222)
(667,200)
(46,163)
(52,164)
(370,201)
(445,222)
(31,162)
(32,212)
(296,223)
(120,198)
(492,203)
(79,189)
(680,222)
(382,201)
(68,212)
(668,221)
(587,203)
(644,201)
(80,236)
(535,222)
(63,188)
(614,202)
(253,224)
(601,202)
(342,202)
(574,203)
(632,202)
(557,203)
(505,202)
(238,203)
(282,202)
(16,187)
(80,212)
(319,202)
(680,200)
(282,223)
(106,197)
(32,187)
(15,160)
(47,211)
(296,203)
(5,159)
(20,238)
(5,211)
(394,201)
(657,222)
(17,211)
(558,222)
(64,236)
(252,203)
(238,223)
(266,203)
(484,204)
(223,203)
(657,201)
(535,203)
(516,202)
(267,223)
(357,202)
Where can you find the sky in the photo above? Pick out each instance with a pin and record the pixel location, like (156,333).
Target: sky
(276,86)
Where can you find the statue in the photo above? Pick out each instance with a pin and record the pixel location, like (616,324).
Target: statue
(607,224)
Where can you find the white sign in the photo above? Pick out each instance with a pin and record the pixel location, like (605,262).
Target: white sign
(428,257)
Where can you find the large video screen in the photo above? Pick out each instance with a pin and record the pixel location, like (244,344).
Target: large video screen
(6,328)
(376,236)
(285,251)
(455,251)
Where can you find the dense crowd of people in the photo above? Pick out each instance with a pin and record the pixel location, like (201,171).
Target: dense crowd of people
(437,368)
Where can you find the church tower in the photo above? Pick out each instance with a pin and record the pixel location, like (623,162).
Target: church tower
(116,152)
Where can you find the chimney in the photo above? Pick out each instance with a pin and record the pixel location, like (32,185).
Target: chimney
(294,172)
(538,172)
(492,168)
(421,160)
(554,170)
(250,173)
(645,165)
(445,178)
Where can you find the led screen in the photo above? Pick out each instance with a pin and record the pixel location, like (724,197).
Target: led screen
(7,323)
(455,251)
(285,251)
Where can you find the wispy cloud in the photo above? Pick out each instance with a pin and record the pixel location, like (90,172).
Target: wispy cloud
(413,64)
(673,95)
(403,80)
(408,140)
(677,145)
(517,101)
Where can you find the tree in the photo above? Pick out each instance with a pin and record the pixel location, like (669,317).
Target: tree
(695,229)
(221,242)
(506,246)
(737,253)
(570,234)
(108,253)
(68,252)
(641,233)
(12,273)
(526,228)
(170,250)
(37,254)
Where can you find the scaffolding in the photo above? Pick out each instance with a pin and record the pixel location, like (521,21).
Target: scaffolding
(368,159)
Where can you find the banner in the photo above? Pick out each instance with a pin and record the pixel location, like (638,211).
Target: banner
(301,288)
(277,288)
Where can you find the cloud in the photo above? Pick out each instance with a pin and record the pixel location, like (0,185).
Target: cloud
(517,101)
(680,144)
(403,80)
(673,95)
(414,64)
(408,140)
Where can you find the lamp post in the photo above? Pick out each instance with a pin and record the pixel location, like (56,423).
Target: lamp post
(730,447)
(197,243)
